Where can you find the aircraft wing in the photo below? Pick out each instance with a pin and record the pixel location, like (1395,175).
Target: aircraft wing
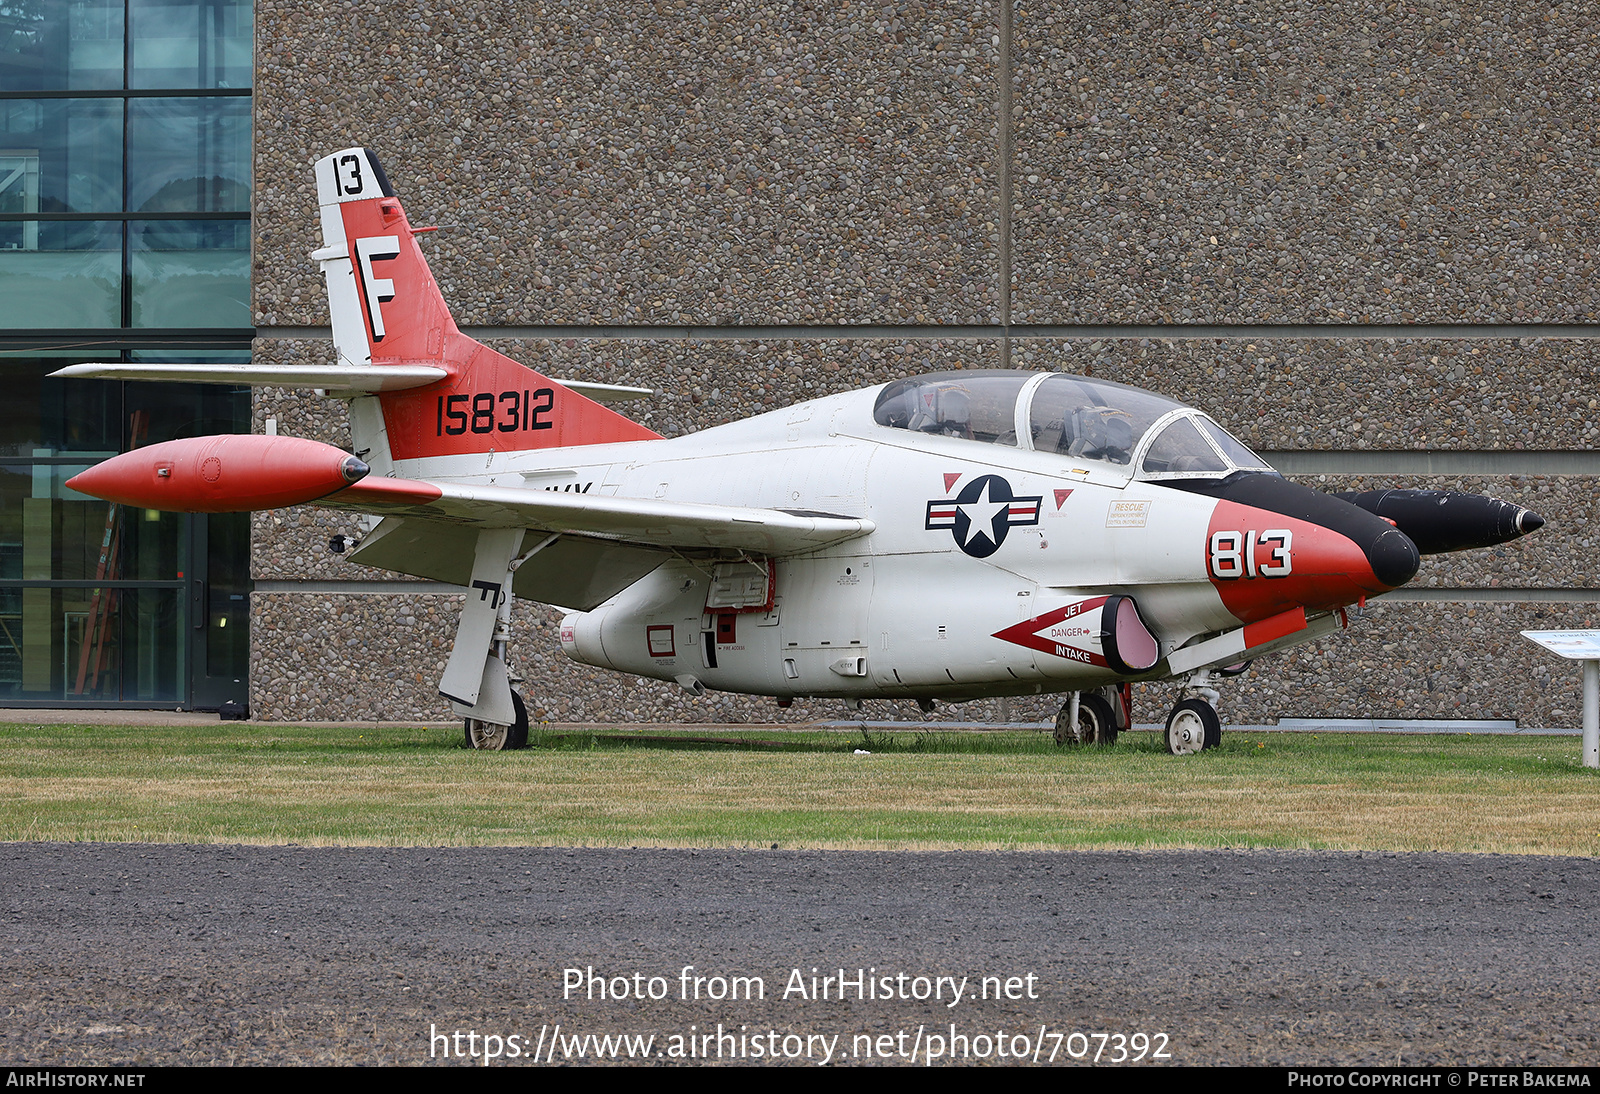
(594,546)
(641,521)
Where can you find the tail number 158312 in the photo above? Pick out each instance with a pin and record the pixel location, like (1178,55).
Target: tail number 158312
(487,412)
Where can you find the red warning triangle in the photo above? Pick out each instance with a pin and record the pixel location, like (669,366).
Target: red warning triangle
(1061,496)
(950,480)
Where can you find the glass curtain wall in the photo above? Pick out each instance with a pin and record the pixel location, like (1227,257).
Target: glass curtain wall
(124,236)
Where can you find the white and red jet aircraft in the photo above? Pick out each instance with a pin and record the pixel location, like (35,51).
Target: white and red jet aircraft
(948,536)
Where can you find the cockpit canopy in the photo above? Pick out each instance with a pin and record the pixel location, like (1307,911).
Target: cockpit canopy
(1143,434)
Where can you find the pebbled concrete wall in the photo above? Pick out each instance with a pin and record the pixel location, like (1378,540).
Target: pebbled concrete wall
(1294,162)
(711,164)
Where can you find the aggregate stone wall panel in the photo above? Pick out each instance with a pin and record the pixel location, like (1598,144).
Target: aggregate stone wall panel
(1416,660)
(328,658)
(1299,162)
(1478,394)
(676,162)
(1559,555)
(699,384)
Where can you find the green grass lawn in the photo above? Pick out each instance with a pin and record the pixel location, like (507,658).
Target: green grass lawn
(266,783)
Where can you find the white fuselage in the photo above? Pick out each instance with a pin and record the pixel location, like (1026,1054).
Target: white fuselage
(904,610)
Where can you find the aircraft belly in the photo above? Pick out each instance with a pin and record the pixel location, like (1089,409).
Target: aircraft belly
(933,636)
(824,606)
(660,627)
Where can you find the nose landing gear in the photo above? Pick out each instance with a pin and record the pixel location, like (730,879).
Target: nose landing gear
(1193,724)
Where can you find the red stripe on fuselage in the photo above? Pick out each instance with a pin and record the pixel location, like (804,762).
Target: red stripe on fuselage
(1270,630)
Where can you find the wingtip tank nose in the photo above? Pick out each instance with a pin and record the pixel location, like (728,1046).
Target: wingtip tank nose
(354,469)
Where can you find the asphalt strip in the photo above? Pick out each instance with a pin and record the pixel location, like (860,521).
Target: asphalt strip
(176,954)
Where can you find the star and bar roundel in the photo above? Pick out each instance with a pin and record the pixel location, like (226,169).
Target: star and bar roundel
(980,516)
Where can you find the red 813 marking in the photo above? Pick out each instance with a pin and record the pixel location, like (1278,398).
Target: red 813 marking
(487,412)
(1238,554)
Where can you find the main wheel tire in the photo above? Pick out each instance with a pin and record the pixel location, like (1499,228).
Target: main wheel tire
(1113,695)
(519,729)
(1097,722)
(492,737)
(1193,725)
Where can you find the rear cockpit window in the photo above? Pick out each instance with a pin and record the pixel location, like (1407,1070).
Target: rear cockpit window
(975,406)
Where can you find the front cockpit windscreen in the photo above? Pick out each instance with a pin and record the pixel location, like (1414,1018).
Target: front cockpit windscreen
(1074,416)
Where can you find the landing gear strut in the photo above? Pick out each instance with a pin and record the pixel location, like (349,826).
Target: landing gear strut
(476,679)
(1086,719)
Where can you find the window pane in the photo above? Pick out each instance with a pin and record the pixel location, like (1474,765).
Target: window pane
(60,156)
(189,155)
(190,273)
(57,643)
(60,45)
(189,44)
(60,274)
(45,417)
(1180,448)
(164,412)
(71,644)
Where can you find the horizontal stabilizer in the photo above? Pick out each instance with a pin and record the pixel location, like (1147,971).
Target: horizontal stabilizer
(372,378)
(335,378)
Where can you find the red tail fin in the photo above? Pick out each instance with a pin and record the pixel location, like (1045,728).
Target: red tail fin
(387,310)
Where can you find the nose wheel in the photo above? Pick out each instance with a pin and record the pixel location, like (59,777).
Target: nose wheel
(1193,725)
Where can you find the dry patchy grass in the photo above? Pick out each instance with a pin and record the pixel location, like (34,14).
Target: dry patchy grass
(289,784)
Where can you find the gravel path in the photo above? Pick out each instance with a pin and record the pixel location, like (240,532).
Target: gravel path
(130,954)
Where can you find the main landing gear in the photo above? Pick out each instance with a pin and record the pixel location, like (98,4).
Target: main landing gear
(476,679)
(490,737)
(1090,718)
(1193,724)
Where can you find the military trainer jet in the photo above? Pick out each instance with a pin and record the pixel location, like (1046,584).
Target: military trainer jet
(942,537)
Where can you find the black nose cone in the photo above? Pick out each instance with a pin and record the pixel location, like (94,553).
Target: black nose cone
(1529,521)
(1394,558)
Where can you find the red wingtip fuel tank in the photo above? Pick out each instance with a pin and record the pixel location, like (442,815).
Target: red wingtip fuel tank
(233,473)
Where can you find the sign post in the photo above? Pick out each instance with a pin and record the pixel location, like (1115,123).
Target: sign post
(1580,646)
